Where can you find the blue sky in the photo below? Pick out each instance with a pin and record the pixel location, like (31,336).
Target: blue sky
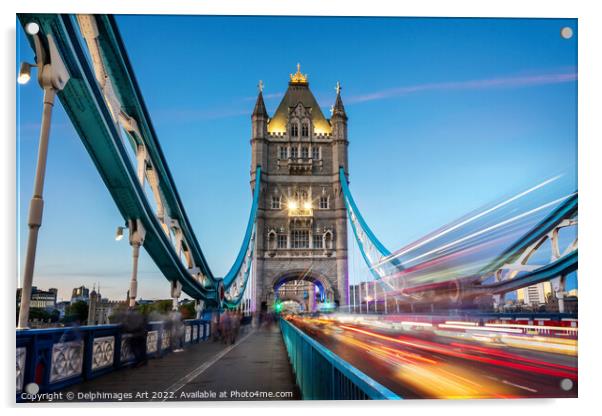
(445,116)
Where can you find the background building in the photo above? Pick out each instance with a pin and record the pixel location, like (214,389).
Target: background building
(81,293)
(99,309)
(40,298)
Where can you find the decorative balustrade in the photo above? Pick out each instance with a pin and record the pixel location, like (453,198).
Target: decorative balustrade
(55,358)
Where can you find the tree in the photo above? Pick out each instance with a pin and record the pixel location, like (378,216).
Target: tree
(188,311)
(159,307)
(77,311)
(38,314)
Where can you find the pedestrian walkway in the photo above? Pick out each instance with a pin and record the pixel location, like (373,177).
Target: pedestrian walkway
(255,368)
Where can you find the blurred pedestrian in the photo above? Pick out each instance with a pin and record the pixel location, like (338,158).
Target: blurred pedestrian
(135,323)
(236,322)
(225,324)
(215,327)
(177,331)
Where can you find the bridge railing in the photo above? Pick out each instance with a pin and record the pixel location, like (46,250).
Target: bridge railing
(323,375)
(55,358)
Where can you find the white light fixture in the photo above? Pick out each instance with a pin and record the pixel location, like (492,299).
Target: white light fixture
(32,28)
(24,73)
(119,234)
(307,205)
(292,204)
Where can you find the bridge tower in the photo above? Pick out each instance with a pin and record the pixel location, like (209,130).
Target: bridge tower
(301,218)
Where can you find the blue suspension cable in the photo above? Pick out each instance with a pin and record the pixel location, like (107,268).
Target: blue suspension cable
(231,275)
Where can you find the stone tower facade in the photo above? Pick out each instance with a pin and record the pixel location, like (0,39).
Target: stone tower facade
(301,218)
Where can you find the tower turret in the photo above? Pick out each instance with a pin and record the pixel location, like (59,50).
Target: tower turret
(339,132)
(260,115)
(338,121)
(259,132)
(301,218)
(92,306)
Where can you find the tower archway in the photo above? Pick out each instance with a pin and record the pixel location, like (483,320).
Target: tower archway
(309,288)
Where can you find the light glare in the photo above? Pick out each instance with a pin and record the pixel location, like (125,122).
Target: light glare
(23,78)
(32,28)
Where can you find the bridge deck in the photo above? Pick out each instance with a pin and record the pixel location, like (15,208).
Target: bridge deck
(256,364)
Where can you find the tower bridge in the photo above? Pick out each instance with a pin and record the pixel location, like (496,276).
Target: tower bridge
(301,217)
(294,248)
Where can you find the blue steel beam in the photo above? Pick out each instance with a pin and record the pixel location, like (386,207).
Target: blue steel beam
(565,210)
(350,203)
(232,303)
(84,103)
(352,209)
(562,266)
(121,72)
(231,275)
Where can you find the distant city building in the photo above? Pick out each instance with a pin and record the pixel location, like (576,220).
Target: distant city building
(371,297)
(62,308)
(534,295)
(44,299)
(81,293)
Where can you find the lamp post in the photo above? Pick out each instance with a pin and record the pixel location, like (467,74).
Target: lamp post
(52,77)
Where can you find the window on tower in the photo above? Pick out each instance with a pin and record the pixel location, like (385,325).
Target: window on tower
(282,240)
(305,130)
(294,130)
(323,202)
(301,195)
(294,152)
(283,152)
(300,239)
(275,202)
(318,241)
(315,152)
(304,152)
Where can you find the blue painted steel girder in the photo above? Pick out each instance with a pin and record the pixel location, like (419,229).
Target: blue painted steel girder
(84,104)
(565,210)
(562,266)
(126,87)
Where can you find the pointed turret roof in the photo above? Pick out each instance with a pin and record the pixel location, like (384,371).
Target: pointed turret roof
(298,92)
(259,109)
(339,109)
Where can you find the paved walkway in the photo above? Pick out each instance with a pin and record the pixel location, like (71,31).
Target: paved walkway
(255,368)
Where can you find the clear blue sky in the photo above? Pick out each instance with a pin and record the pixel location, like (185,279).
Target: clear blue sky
(445,115)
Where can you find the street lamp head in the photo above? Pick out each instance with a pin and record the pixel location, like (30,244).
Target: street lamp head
(24,73)
(32,28)
(119,234)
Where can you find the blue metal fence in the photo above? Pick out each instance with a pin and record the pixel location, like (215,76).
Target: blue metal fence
(323,375)
(55,358)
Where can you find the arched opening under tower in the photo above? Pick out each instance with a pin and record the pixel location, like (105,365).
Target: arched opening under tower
(309,290)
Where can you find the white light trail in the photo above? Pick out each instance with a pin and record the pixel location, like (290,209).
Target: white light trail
(467,221)
(485,230)
(480,328)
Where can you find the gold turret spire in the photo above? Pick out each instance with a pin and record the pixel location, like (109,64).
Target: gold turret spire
(299,78)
